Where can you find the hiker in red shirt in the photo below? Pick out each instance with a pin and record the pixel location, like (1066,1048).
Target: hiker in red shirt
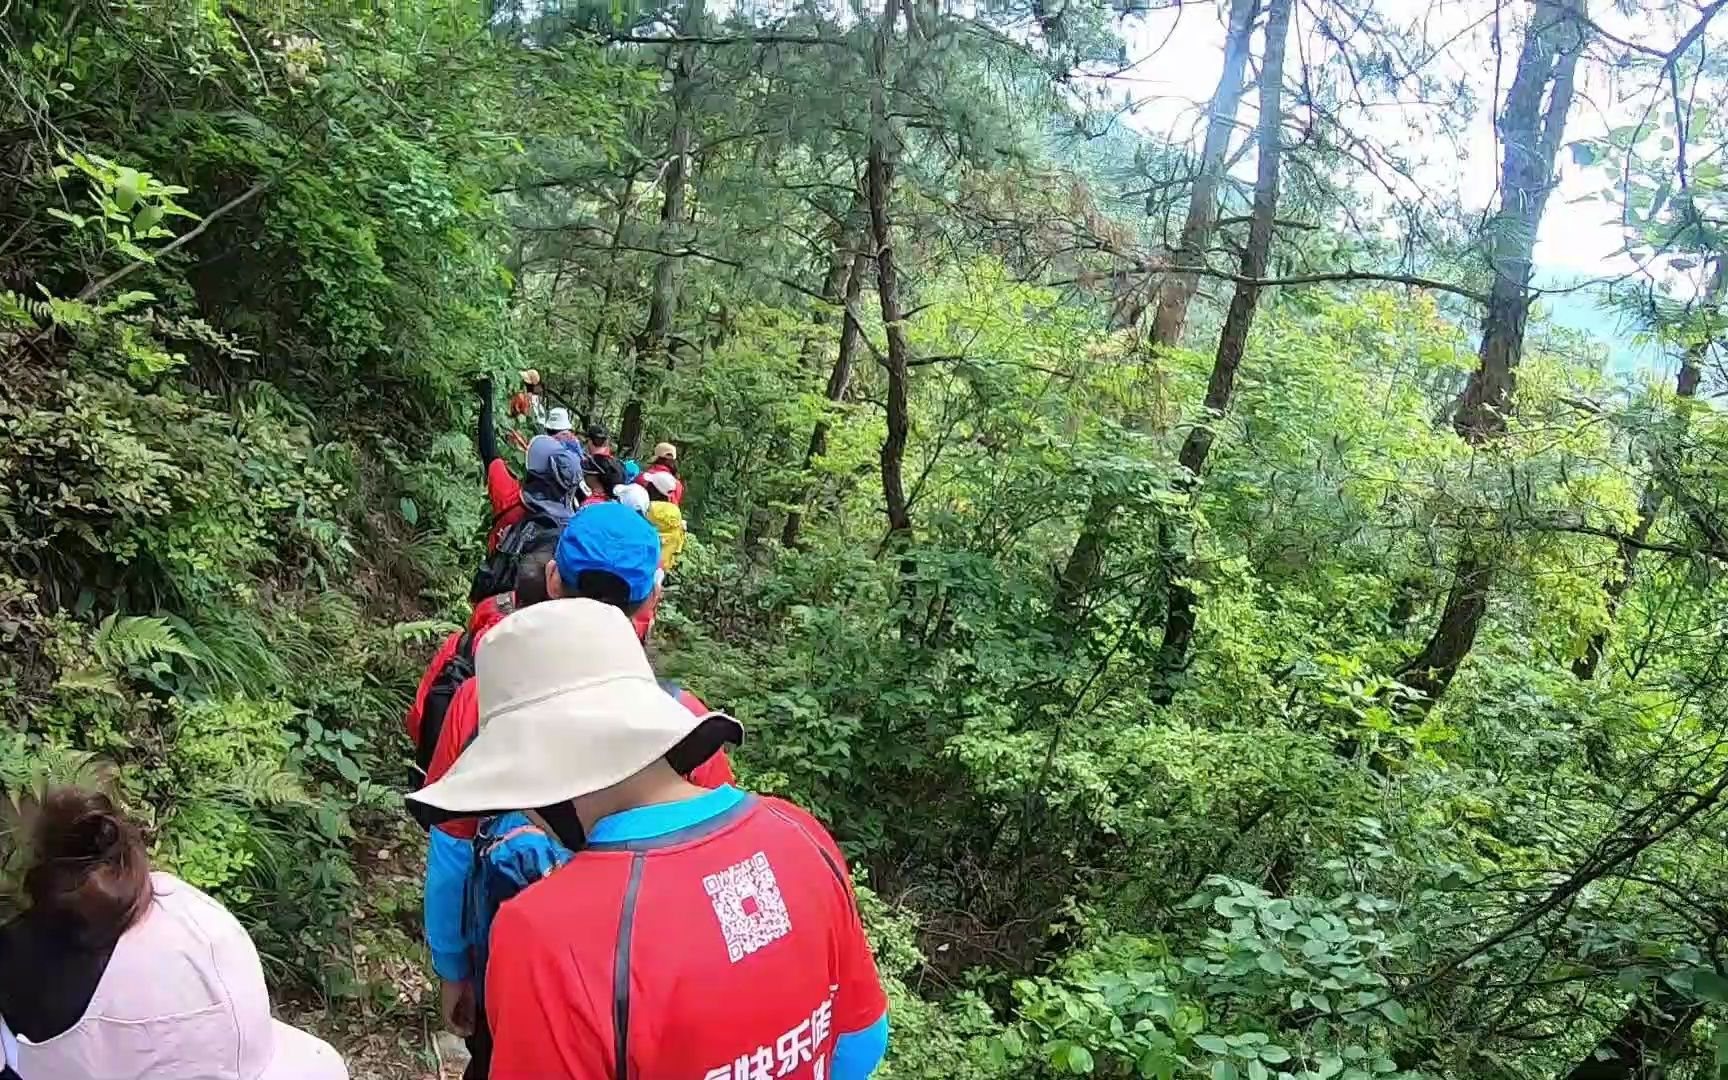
(665,461)
(603,562)
(710,935)
(553,469)
(599,440)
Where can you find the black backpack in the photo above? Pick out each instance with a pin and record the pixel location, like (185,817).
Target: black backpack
(456,671)
(534,534)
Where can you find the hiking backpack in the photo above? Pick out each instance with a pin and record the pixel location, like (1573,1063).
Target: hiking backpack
(456,671)
(510,854)
(536,533)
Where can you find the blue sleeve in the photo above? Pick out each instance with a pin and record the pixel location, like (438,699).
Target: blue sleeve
(448,864)
(857,1053)
(529,856)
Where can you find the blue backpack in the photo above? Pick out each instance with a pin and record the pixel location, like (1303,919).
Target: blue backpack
(510,854)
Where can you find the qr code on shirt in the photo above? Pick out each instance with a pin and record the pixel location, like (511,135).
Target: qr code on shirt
(748,903)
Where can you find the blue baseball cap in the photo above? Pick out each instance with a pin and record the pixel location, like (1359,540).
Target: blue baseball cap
(612,537)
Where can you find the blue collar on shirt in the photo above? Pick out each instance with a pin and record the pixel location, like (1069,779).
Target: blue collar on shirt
(648,822)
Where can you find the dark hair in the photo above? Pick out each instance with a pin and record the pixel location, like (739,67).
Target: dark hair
(656,495)
(530,586)
(606,587)
(89,865)
(610,473)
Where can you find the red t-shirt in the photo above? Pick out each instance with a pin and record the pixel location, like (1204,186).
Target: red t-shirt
(676,495)
(643,620)
(732,949)
(487,614)
(505,493)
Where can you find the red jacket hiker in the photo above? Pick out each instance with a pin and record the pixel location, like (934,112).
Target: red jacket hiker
(504,492)
(714,939)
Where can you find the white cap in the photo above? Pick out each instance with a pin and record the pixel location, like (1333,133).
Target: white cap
(663,481)
(557,419)
(633,496)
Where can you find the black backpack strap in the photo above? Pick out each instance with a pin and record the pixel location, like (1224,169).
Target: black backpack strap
(430,731)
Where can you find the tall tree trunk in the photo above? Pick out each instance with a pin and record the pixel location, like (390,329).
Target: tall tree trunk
(649,347)
(1650,503)
(834,283)
(1635,1048)
(591,381)
(1530,134)
(839,378)
(879,180)
(1233,340)
(1177,289)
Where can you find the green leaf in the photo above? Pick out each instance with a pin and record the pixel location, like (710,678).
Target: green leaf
(126,188)
(1212,1044)
(1274,1054)
(1078,1059)
(1707,985)
(1329,1065)
(1154,1064)
(1583,154)
(350,771)
(1257,1071)
(329,823)
(1394,1012)
(1272,962)
(410,511)
(1223,1070)
(149,216)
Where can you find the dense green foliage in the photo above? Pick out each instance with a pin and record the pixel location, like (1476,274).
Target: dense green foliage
(252,256)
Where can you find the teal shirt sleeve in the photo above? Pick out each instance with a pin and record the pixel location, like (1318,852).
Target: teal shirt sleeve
(449,861)
(858,1053)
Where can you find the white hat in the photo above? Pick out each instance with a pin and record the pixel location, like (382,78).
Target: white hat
(664,482)
(633,496)
(557,420)
(183,996)
(568,707)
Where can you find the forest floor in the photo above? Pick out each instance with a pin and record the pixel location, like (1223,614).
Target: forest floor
(391,1030)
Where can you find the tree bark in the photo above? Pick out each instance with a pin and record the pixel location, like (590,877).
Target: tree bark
(879,178)
(650,345)
(1179,613)
(834,282)
(1650,503)
(839,379)
(1530,133)
(1635,1048)
(1177,289)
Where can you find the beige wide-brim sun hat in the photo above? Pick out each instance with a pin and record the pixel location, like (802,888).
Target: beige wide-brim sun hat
(568,706)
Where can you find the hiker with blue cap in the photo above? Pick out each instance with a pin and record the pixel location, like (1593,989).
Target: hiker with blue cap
(610,553)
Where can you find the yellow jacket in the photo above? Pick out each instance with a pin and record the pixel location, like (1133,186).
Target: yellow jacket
(665,517)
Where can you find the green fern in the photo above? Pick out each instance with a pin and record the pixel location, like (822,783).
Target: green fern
(126,642)
(262,782)
(96,680)
(421,631)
